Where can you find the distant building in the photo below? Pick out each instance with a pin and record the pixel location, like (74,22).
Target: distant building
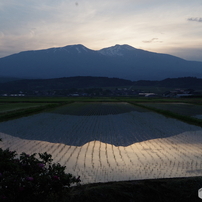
(179,93)
(74,94)
(148,94)
(17,95)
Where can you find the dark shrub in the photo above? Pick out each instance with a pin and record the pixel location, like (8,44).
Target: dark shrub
(27,178)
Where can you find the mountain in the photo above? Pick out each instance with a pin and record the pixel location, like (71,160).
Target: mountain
(121,61)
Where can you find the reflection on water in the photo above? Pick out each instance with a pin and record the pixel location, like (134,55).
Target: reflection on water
(177,156)
(119,129)
(109,142)
(97,108)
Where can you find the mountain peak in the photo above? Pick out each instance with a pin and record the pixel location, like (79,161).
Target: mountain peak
(79,48)
(117,50)
(75,46)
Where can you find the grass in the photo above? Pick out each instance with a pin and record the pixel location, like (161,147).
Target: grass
(33,99)
(5,107)
(16,107)
(96,99)
(167,113)
(160,100)
(17,113)
(55,99)
(179,108)
(158,190)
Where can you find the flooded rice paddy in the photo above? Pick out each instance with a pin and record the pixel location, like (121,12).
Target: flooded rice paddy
(109,141)
(185,109)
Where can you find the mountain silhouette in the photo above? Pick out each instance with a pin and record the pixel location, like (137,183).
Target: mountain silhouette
(120,61)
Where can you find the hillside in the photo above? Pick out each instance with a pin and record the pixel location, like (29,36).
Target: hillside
(96,82)
(64,83)
(95,85)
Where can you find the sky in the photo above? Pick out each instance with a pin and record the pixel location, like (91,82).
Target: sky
(173,27)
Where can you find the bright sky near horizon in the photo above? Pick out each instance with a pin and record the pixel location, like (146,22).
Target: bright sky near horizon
(173,27)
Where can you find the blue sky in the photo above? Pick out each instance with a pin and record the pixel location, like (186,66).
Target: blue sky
(173,27)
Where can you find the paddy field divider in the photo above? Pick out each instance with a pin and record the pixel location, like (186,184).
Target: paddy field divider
(167,113)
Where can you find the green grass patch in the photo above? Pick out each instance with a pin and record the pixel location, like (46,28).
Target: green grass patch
(16,106)
(187,119)
(26,111)
(96,99)
(55,99)
(186,109)
(197,101)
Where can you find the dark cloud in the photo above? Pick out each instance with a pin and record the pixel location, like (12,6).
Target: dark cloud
(152,40)
(195,19)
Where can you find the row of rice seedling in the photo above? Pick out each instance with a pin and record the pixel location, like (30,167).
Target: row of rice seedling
(138,161)
(119,146)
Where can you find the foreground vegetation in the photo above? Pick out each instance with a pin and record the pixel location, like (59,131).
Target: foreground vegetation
(26,178)
(158,190)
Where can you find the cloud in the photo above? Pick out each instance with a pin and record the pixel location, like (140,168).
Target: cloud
(35,24)
(152,40)
(195,19)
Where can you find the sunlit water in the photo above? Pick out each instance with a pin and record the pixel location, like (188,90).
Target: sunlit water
(128,145)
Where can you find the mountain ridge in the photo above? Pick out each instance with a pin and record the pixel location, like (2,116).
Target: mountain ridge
(121,61)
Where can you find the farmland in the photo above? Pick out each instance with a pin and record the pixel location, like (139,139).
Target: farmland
(185,109)
(109,141)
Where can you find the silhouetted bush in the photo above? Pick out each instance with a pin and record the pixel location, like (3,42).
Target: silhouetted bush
(26,178)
